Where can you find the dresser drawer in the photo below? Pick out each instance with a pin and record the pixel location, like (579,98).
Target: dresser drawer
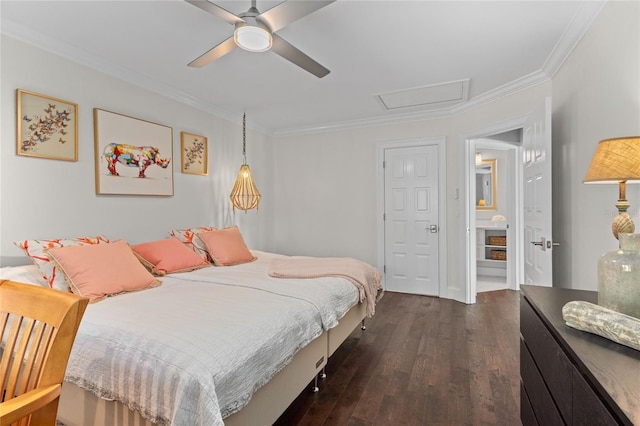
(527,416)
(550,359)
(542,404)
(588,409)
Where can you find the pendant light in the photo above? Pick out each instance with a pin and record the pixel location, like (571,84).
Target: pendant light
(245,195)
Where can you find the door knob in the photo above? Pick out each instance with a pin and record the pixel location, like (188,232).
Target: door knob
(541,243)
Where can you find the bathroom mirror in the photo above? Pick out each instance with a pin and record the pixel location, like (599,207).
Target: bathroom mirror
(486,192)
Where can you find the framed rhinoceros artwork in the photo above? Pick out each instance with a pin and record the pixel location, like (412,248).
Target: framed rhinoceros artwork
(133,156)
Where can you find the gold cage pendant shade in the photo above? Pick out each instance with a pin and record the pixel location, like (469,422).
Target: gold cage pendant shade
(245,195)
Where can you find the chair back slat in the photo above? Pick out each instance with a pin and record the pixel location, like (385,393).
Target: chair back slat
(4,320)
(8,356)
(21,338)
(41,353)
(32,368)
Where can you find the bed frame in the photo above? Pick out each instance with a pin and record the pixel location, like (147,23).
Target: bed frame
(79,407)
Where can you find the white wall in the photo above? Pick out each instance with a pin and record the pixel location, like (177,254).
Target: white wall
(340,219)
(596,95)
(41,198)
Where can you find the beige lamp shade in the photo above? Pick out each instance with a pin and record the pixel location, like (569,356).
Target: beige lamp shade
(615,160)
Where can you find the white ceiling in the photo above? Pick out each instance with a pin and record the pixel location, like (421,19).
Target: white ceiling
(371,47)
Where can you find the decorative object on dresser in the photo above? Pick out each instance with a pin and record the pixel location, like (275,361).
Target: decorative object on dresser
(132,156)
(619,277)
(604,322)
(569,376)
(617,160)
(245,195)
(46,127)
(194,154)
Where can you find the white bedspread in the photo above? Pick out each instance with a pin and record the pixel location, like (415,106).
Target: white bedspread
(331,296)
(193,350)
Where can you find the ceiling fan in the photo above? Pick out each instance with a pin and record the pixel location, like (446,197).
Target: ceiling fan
(256,32)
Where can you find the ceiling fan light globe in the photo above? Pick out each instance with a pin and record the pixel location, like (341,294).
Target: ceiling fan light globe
(252,38)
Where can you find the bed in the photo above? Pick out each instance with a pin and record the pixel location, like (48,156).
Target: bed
(212,346)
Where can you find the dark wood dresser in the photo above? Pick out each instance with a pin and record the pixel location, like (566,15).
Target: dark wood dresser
(570,376)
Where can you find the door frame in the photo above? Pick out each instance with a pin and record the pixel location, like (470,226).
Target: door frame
(512,153)
(442,199)
(516,225)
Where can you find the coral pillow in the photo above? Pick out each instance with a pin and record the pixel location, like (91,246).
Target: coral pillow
(35,250)
(226,246)
(189,239)
(101,270)
(166,256)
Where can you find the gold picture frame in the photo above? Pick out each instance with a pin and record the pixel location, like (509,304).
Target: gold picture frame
(47,127)
(486,189)
(194,154)
(133,156)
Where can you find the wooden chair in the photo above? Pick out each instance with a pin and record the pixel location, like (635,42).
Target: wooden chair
(38,326)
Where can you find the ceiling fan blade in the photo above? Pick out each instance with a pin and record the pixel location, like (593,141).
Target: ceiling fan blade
(216,10)
(294,55)
(216,52)
(286,12)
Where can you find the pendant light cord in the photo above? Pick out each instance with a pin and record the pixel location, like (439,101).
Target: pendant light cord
(244,137)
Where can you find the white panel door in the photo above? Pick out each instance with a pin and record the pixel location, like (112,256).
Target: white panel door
(411,219)
(538,266)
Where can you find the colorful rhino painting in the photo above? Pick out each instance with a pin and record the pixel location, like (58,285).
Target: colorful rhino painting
(133,156)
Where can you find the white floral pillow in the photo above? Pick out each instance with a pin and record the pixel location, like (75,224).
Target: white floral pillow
(36,251)
(188,237)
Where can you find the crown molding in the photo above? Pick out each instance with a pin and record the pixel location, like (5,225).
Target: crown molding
(573,34)
(102,65)
(513,87)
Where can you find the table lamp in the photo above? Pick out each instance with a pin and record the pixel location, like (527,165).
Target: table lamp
(617,160)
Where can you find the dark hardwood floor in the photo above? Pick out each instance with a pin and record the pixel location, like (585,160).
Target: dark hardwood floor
(423,361)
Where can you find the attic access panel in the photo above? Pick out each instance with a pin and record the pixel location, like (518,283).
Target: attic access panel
(432,96)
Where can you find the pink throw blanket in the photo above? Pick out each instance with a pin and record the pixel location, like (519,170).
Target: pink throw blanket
(361,274)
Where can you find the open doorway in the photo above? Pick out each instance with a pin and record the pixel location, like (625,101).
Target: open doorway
(494,211)
(528,139)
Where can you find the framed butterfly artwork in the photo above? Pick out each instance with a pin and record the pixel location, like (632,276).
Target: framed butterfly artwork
(47,127)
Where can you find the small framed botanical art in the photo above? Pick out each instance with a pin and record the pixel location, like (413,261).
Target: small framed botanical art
(47,127)
(133,156)
(194,153)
